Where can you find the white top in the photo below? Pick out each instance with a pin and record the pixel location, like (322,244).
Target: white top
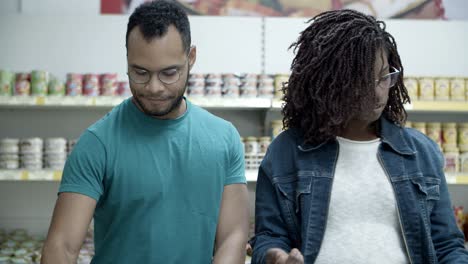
(362,224)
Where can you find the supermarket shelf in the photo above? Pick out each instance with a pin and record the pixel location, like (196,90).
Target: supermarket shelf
(111,101)
(250,175)
(438,106)
(59,101)
(30,175)
(243,103)
(417,106)
(227,103)
(457,178)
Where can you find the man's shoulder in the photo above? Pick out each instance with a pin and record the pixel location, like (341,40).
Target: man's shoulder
(206,118)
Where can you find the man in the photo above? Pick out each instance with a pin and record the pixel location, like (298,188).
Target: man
(163,179)
(347,182)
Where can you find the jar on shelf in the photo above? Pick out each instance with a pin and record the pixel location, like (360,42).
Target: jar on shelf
(426,89)
(452,159)
(74,84)
(7,82)
(23,84)
(39,82)
(457,89)
(464,161)
(123,89)
(442,89)
(449,134)
(279,80)
(463,135)
(263,143)
(91,84)
(108,82)
(412,87)
(248,91)
(434,132)
(251,145)
(56,87)
(420,126)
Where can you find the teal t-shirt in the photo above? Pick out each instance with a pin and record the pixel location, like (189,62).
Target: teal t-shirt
(158,183)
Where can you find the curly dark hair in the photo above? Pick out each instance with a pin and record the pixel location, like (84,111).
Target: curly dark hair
(155,17)
(332,78)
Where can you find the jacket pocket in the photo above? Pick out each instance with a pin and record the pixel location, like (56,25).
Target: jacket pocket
(428,188)
(293,187)
(291,190)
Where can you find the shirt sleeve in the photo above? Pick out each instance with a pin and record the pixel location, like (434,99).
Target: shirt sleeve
(85,167)
(236,170)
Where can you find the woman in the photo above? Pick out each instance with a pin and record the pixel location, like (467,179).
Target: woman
(346,182)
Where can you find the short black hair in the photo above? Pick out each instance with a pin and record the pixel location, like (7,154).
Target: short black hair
(154,18)
(333,78)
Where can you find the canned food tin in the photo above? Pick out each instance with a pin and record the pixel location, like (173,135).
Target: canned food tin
(449,134)
(91,85)
(464,162)
(451,159)
(9,164)
(251,145)
(280,79)
(123,89)
(231,81)
(263,144)
(7,82)
(213,82)
(196,82)
(196,91)
(442,89)
(9,145)
(39,82)
(31,158)
(108,84)
(22,85)
(427,89)
(463,136)
(213,91)
(32,165)
(74,84)
(197,76)
(56,87)
(420,126)
(457,89)
(59,144)
(249,91)
(412,87)
(31,145)
(231,91)
(266,80)
(434,132)
(71,144)
(266,91)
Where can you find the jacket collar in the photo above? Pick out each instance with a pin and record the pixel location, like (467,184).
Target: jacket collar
(391,134)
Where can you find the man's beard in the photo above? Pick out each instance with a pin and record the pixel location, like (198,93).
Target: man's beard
(175,103)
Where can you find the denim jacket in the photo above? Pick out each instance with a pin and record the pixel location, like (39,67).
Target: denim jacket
(294,187)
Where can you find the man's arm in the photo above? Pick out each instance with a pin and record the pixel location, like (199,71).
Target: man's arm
(233,225)
(72,214)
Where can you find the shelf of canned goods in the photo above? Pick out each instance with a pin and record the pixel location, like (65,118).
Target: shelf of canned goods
(206,102)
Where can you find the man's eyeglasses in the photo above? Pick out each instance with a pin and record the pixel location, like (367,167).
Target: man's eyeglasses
(388,80)
(142,76)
